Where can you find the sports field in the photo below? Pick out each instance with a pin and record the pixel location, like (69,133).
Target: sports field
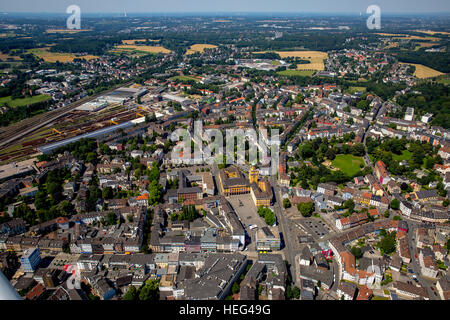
(184,78)
(347,163)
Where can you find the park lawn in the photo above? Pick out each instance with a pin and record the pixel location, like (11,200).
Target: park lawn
(347,163)
(24,101)
(406,155)
(302,73)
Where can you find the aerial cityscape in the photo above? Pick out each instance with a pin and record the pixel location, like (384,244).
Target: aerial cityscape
(229,154)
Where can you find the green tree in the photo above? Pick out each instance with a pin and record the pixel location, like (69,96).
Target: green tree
(108,193)
(357,252)
(286,203)
(387,244)
(235,288)
(296,292)
(132,293)
(395,204)
(149,291)
(306,209)
(67,208)
(111,218)
(155,192)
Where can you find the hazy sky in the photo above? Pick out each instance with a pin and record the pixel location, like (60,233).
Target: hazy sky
(320,6)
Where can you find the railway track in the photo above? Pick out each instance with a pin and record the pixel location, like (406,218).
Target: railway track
(21,129)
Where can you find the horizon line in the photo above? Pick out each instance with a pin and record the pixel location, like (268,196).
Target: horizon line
(235,12)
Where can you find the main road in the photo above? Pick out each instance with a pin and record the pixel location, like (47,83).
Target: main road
(290,251)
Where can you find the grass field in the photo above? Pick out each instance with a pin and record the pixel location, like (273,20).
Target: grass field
(145,49)
(423,72)
(347,163)
(380,298)
(199,48)
(184,78)
(316,58)
(445,80)
(352,90)
(48,56)
(24,101)
(303,73)
(406,155)
(420,45)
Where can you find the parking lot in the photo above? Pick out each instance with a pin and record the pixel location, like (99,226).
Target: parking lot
(247,212)
(315,227)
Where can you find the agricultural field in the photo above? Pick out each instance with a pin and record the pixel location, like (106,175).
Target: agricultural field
(7,35)
(316,59)
(48,56)
(391,44)
(199,48)
(408,37)
(302,73)
(133,41)
(423,72)
(5,57)
(23,102)
(349,164)
(66,30)
(130,48)
(433,32)
(420,45)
